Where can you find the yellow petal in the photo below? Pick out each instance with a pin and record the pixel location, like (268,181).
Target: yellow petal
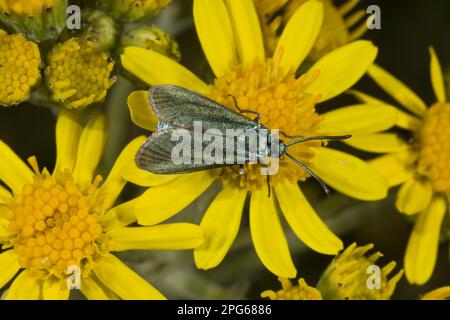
(120,216)
(365,98)
(90,149)
(93,289)
(220,225)
(442,293)
(359,119)
(68,132)
(299,35)
(407,121)
(216,35)
(414,196)
(140,110)
(25,287)
(398,90)
(133,174)
(437,78)
(268,236)
(247,31)
(172,236)
(349,175)
(396,167)
(9,266)
(342,68)
(13,171)
(422,249)
(123,281)
(53,289)
(5,195)
(154,69)
(404,120)
(378,143)
(304,221)
(160,203)
(114,184)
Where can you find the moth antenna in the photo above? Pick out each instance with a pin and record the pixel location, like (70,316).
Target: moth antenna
(312,174)
(312,138)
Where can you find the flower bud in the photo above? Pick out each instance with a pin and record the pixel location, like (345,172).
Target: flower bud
(98,28)
(152,38)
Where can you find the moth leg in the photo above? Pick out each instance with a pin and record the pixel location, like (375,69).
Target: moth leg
(258,116)
(234,169)
(241,170)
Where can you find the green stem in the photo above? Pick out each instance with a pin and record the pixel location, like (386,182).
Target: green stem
(118,121)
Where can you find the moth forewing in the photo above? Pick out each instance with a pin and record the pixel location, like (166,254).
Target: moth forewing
(180,107)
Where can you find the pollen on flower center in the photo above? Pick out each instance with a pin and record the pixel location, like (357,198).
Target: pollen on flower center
(78,74)
(19,68)
(283,104)
(434,135)
(55,225)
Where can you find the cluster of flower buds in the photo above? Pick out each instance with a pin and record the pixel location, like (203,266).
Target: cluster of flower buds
(62,53)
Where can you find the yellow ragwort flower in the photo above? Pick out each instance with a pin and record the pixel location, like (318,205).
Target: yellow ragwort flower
(352,276)
(78,74)
(442,293)
(340,26)
(231,38)
(20,61)
(420,165)
(38,20)
(289,292)
(65,222)
(27,8)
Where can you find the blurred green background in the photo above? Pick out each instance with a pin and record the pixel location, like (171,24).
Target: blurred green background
(408,28)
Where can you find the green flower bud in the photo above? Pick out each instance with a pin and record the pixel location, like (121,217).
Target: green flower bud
(353,276)
(98,28)
(152,38)
(134,10)
(38,20)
